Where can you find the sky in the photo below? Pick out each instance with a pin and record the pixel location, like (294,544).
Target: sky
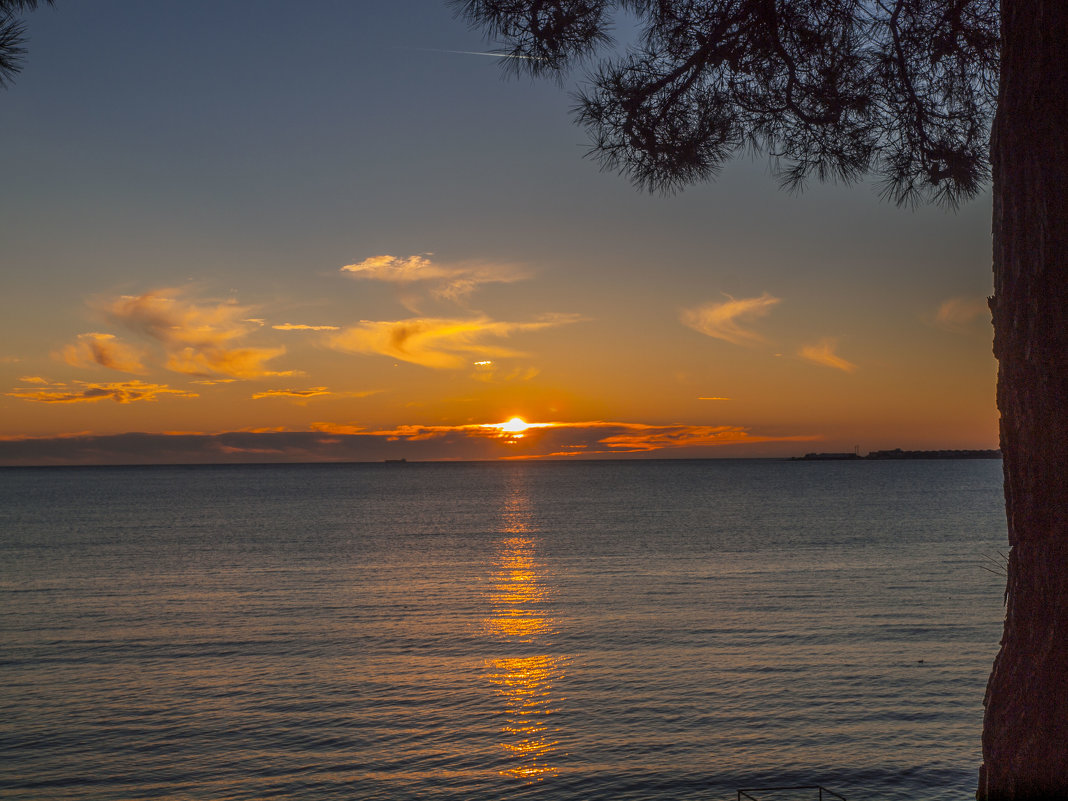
(332,230)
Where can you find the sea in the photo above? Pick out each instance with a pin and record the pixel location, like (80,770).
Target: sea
(616,630)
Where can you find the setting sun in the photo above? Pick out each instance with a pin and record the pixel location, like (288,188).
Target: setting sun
(514,426)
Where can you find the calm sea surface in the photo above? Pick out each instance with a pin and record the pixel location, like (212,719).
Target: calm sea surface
(598,630)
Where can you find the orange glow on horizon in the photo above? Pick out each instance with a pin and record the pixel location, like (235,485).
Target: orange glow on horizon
(513,430)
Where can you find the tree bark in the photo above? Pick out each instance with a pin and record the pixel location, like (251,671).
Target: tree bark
(1025,730)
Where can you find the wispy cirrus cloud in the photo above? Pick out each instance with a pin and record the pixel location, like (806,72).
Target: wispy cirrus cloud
(340,429)
(105,350)
(438,342)
(302,396)
(958,314)
(85,392)
(488,371)
(302,327)
(825,352)
(446,281)
(638,437)
(724,320)
(199,337)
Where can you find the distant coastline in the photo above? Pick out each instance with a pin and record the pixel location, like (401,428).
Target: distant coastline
(897,453)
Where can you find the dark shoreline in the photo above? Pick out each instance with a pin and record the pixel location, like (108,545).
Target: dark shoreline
(897,453)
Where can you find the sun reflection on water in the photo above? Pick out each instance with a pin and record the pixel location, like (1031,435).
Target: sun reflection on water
(521,614)
(526,683)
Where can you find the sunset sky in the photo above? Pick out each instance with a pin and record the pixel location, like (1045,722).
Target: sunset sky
(330,230)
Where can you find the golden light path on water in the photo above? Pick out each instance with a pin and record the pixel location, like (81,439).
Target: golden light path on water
(521,615)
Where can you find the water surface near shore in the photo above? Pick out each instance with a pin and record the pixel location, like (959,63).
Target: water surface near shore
(592,630)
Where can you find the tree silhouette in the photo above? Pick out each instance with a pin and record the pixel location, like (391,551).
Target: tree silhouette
(905,90)
(835,88)
(13,38)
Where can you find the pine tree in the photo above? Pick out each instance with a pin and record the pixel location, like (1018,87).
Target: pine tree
(905,90)
(13,38)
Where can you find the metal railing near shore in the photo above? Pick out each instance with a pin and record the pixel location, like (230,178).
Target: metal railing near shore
(821,791)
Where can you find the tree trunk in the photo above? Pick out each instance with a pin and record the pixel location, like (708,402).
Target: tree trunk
(1025,730)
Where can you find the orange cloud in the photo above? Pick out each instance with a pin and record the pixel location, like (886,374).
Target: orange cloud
(957,314)
(449,281)
(233,362)
(302,396)
(338,428)
(486,370)
(615,437)
(652,438)
(438,343)
(723,320)
(124,392)
(104,350)
(45,438)
(312,392)
(301,327)
(823,353)
(198,338)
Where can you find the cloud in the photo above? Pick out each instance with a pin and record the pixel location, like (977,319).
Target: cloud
(488,371)
(338,428)
(589,438)
(448,281)
(312,392)
(198,338)
(124,392)
(33,379)
(341,442)
(439,343)
(957,314)
(233,362)
(397,270)
(722,320)
(48,438)
(105,350)
(823,352)
(301,327)
(639,438)
(302,396)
